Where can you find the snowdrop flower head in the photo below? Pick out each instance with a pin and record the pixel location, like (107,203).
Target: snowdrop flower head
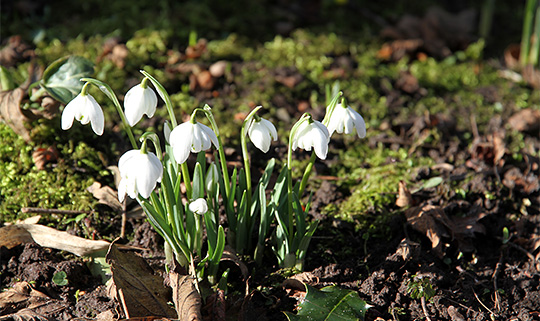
(312,134)
(191,136)
(344,119)
(140,172)
(85,109)
(262,132)
(139,100)
(198,206)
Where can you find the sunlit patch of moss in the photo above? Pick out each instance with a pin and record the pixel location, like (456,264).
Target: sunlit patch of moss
(231,48)
(309,53)
(62,186)
(373,176)
(147,45)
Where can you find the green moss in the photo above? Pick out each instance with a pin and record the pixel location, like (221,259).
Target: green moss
(373,176)
(62,186)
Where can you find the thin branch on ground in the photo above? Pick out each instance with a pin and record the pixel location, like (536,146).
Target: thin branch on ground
(424,308)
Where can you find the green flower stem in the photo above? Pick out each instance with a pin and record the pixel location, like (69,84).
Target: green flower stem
(164,95)
(208,111)
(245,154)
(307,174)
(106,89)
(292,135)
(330,109)
(35,96)
(144,82)
(187,179)
(155,140)
(198,234)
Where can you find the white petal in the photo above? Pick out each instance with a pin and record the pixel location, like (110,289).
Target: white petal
(70,111)
(123,162)
(210,134)
(359,123)
(260,135)
(122,188)
(198,206)
(198,142)
(131,186)
(181,140)
(150,102)
(94,114)
(320,143)
(271,128)
(298,139)
(139,101)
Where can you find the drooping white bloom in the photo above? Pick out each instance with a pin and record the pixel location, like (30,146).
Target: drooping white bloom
(84,108)
(262,132)
(344,119)
(139,101)
(198,206)
(312,134)
(139,174)
(193,137)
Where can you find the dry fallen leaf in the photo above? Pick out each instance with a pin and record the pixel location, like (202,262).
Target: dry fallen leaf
(230,255)
(43,156)
(13,235)
(186,298)
(106,195)
(140,292)
(526,120)
(215,306)
(196,51)
(12,113)
(438,34)
(436,225)
(515,179)
(431,221)
(26,303)
(16,51)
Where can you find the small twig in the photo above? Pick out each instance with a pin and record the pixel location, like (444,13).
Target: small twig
(494,278)
(50,211)
(477,298)
(424,308)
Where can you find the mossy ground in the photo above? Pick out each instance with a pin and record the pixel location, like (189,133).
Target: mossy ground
(453,84)
(458,101)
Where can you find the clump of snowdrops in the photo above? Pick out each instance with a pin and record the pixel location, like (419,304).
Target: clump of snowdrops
(180,217)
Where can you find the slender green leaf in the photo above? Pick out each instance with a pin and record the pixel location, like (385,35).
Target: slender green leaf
(198,182)
(432,182)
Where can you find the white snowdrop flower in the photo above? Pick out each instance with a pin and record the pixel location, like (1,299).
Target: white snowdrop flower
(312,134)
(262,132)
(344,119)
(139,100)
(139,174)
(198,206)
(85,109)
(193,137)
